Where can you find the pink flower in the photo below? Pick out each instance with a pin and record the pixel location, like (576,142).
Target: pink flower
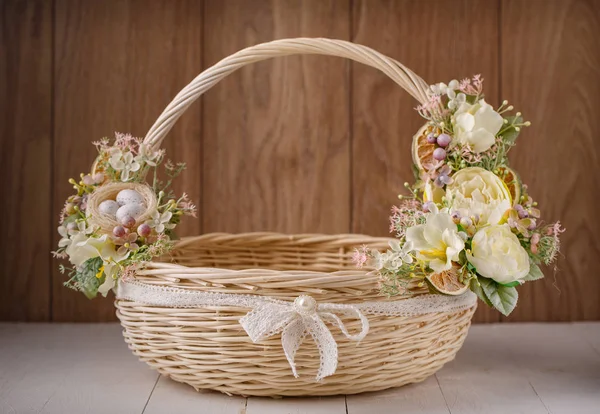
(535,239)
(126,243)
(359,257)
(472,86)
(410,213)
(127,141)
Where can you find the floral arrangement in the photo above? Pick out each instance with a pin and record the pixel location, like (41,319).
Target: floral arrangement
(469,222)
(115,221)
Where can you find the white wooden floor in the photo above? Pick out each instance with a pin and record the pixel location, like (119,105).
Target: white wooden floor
(507,368)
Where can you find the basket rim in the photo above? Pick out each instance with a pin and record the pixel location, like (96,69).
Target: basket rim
(262,279)
(304,239)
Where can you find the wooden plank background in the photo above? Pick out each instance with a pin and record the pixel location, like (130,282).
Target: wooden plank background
(301,144)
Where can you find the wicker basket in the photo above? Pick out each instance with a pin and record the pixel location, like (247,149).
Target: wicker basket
(207,348)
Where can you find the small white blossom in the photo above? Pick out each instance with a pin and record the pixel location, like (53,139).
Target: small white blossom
(81,227)
(160,222)
(404,251)
(439,88)
(147,155)
(124,162)
(393,259)
(384,260)
(65,240)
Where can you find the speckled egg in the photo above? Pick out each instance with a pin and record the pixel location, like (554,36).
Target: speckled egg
(131,210)
(129,197)
(108,207)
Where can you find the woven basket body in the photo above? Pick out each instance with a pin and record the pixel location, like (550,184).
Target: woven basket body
(208,349)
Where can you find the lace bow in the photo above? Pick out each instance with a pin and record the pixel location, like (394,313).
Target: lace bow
(297,319)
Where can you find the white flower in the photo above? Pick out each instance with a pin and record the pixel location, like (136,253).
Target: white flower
(83,248)
(80,227)
(486,213)
(384,260)
(439,88)
(403,252)
(123,162)
(477,125)
(160,222)
(105,287)
(497,254)
(456,100)
(431,192)
(436,242)
(479,192)
(147,155)
(110,273)
(73,229)
(65,240)
(392,259)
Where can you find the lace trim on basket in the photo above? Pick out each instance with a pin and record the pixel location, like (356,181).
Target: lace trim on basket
(294,320)
(186,298)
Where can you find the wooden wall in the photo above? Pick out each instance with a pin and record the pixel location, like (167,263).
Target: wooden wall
(301,144)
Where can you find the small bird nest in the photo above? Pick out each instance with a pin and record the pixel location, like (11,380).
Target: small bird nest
(109,192)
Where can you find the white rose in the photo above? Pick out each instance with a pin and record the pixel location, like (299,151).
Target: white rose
(498,255)
(476,125)
(476,191)
(83,248)
(436,242)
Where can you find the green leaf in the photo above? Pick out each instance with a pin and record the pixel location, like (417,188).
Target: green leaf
(510,134)
(503,298)
(471,99)
(511,284)
(86,279)
(476,288)
(535,273)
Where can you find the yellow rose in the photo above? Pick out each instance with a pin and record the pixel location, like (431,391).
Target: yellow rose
(476,191)
(497,254)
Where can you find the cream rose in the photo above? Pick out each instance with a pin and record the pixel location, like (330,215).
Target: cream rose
(497,254)
(436,242)
(476,191)
(476,125)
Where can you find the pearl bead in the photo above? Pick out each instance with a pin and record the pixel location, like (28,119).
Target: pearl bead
(305,304)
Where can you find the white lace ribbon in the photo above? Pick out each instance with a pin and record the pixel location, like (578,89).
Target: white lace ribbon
(294,320)
(297,319)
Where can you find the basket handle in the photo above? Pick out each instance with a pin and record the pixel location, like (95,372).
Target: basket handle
(400,74)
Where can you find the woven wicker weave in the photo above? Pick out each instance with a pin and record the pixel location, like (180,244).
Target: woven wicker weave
(207,348)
